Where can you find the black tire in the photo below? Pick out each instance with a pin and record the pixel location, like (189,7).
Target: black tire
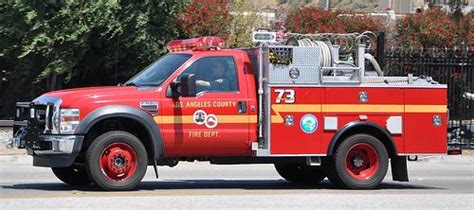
(300,173)
(73,175)
(360,162)
(116,160)
(328,166)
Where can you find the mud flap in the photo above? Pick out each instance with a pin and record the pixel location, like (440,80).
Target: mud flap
(154,167)
(399,168)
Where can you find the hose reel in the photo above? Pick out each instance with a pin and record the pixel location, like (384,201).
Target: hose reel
(325,43)
(325,49)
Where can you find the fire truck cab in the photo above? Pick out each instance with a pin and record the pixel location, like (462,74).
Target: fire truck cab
(296,106)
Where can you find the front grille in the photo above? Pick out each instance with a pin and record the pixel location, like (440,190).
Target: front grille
(43,116)
(30,125)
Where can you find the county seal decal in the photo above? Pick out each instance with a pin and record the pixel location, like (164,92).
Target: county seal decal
(309,123)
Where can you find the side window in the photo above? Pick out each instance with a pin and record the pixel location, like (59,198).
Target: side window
(214,74)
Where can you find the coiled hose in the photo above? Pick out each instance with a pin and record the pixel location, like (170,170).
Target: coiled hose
(324,49)
(327,55)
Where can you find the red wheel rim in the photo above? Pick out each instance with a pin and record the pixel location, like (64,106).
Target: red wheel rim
(118,161)
(362,161)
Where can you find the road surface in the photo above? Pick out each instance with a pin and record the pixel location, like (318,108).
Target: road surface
(445,182)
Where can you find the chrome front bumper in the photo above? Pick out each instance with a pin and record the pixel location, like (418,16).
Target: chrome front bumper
(59,144)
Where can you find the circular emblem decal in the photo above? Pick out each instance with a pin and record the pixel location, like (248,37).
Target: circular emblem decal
(309,123)
(199,117)
(211,121)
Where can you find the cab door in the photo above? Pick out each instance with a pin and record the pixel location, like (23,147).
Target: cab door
(214,122)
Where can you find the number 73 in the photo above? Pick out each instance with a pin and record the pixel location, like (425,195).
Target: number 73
(285,95)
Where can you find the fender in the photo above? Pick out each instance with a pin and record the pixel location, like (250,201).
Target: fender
(356,124)
(129,112)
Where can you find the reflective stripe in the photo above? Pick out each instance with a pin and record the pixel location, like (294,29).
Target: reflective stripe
(425,109)
(362,108)
(353,108)
(312,108)
(180,119)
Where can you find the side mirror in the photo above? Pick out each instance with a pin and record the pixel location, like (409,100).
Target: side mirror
(185,86)
(188,85)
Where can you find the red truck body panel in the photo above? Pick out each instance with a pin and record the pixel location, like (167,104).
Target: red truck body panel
(229,133)
(415,106)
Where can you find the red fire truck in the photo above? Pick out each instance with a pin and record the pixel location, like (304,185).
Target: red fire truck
(296,106)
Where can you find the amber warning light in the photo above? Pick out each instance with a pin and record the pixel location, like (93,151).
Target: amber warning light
(200,43)
(264,36)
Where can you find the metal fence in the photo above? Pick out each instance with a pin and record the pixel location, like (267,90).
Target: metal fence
(452,66)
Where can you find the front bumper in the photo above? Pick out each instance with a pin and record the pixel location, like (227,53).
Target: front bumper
(54,144)
(33,129)
(56,150)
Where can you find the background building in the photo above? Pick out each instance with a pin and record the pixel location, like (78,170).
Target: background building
(410,6)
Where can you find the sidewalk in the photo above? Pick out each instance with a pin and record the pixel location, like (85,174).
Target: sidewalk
(5,134)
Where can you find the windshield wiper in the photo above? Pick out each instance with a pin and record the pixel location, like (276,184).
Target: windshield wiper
(131,84)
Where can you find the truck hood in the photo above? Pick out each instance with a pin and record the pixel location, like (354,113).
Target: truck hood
(103,95)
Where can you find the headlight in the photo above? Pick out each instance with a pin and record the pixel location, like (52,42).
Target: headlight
(69,120)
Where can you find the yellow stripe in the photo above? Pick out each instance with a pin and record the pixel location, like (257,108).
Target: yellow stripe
(425,109)
(179,119)
(174,119)
(296,107)
(367,108)
(236,118)
(354,108)
(311,108)
(277,108)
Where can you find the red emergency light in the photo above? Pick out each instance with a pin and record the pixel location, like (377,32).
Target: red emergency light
(200,43)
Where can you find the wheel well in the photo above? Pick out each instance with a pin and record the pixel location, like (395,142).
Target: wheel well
(365,129)
(120,123)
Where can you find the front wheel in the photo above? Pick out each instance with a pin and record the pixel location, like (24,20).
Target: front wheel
(360,162)
(73,175)
(300,173)
(116,160)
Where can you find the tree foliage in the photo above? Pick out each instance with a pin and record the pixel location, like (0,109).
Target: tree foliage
(245,19)
(205,18)
(46,45)
(233,21)
(434,28)
(317,20)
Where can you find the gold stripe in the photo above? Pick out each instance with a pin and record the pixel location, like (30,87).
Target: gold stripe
(277,118)
(367,108)
(174,119)
(425,109)
(296,107)
(354,108)
(235,118)
(277,108)
(220,119)
(313,108)
(253,118)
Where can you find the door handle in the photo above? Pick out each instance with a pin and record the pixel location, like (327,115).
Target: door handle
(242,107)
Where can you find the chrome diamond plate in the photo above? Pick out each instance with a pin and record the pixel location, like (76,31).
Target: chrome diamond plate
(306,56)
(306,60)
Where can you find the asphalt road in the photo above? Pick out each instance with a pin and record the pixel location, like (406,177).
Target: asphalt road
(445,182)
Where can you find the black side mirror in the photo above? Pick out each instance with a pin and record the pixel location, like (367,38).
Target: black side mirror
(185,86)
(188,85)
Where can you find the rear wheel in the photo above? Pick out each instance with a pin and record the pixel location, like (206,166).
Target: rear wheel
(116,160)
(73,175)
(300,173)
(360,162)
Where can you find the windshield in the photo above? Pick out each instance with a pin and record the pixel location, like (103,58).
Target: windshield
(159,71)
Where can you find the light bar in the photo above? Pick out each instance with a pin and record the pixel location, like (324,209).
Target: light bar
(201,43)
(264,36)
